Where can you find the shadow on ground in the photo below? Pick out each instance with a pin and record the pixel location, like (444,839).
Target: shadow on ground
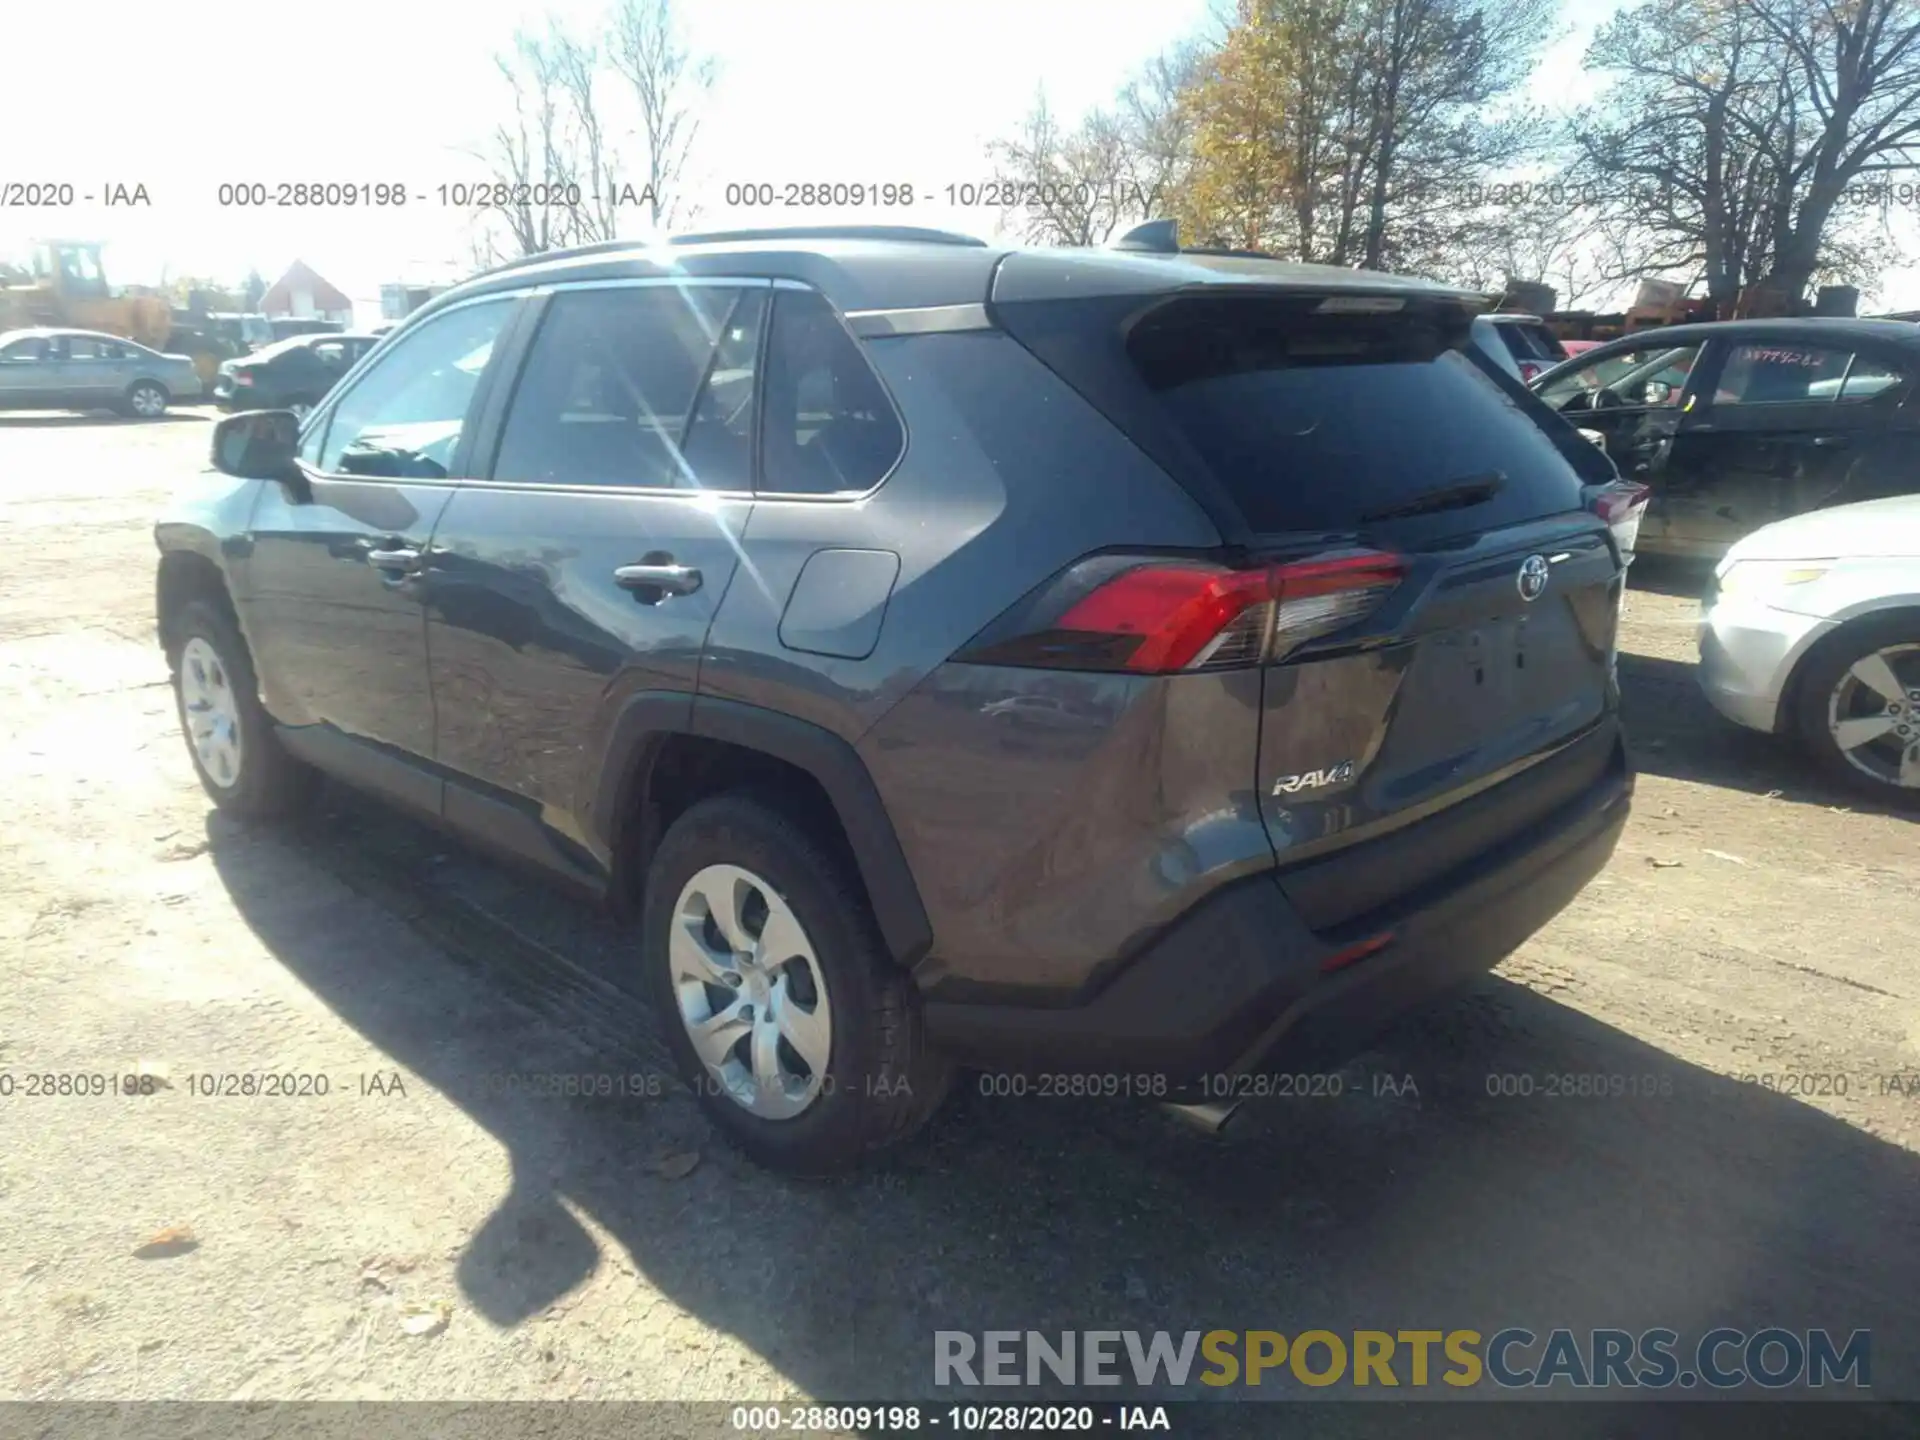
(1673,731)
(1688,1202)
(1662,575)
(65,420)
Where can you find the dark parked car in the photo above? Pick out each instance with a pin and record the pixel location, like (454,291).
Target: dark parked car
(1040,661)
(1533,347)
(1740,423)
(291,374)
(285,327)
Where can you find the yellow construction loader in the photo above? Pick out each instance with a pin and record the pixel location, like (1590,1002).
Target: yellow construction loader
(61,283)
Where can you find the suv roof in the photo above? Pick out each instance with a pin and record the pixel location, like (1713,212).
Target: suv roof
(879,268)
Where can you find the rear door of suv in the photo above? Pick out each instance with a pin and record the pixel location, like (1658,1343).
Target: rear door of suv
(1440,606)
(586,562)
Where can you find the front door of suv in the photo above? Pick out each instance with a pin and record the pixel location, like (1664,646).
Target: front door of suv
(588,562)
(332,585)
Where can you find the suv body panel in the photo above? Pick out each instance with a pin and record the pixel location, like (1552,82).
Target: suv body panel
(1076,864)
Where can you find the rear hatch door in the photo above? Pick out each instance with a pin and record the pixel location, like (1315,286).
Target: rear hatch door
(1320,428)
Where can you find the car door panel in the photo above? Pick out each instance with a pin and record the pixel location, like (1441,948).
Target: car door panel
(1767,438)
(589,565)
(334,575)
(26,375)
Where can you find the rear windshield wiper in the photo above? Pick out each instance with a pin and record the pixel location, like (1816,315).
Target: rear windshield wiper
(1456,495)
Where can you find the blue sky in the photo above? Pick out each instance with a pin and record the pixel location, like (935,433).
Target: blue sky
(403,90)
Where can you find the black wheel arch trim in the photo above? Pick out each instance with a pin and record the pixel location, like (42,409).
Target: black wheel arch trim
(649,718)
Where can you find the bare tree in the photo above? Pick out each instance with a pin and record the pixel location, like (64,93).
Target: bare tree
(530,155)
(1734,128)
(577,71)
(669,85)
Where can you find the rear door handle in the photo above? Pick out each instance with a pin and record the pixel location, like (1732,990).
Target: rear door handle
(667,579)
(394,562)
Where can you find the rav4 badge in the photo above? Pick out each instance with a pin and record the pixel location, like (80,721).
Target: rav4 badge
(1314,779)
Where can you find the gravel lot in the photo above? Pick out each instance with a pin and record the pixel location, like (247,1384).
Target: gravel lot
(1751,923)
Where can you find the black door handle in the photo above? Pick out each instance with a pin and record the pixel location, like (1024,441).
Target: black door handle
(657,581)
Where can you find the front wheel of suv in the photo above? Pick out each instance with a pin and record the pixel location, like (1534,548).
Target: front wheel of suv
(229,735)
(799,1035)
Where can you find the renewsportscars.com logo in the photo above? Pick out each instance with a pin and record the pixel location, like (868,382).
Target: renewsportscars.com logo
(1513,1358)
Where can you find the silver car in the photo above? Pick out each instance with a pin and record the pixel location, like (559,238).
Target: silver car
(45,369)
(1812,629)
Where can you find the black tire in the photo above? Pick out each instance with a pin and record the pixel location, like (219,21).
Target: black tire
(1826,668)
(269,782)
(882,1079)
(148,392)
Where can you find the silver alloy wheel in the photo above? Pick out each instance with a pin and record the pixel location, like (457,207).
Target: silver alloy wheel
(750,992)
(211,709)
(1873,715)
(148,400)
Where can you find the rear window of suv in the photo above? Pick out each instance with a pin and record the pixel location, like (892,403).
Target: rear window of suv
(1318,422)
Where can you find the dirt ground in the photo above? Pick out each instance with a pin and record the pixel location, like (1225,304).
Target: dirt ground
(419,1233)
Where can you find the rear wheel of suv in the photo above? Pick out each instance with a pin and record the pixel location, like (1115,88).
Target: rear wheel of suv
(238,758)
(1859,707)
(761,956)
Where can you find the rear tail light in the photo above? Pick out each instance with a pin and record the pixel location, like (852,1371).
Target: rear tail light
(1621,506)
(1529,369)
(243,377)
(1159,617)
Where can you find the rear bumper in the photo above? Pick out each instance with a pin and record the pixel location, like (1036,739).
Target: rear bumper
(1237,984)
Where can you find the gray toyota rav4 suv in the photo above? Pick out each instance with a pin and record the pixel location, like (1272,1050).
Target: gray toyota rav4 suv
(1140,668)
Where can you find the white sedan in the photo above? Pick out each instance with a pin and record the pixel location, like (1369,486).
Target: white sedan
(1812,629)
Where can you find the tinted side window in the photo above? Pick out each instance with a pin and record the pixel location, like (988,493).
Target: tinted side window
(1636,379)
(1531,342)
(612,384)
(405,416)
(32,348)
(828,425)
(1868,379)
(1768,373)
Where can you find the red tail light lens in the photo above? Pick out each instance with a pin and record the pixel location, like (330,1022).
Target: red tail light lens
(1621,506)
(1178,613)
(1159,617)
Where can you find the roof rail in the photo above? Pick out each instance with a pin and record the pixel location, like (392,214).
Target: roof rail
(599,247)
(1156,237)
(906,234)
(1228,254)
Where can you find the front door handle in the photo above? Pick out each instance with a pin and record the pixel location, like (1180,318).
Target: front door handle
(1828,442)
(665,579)
(394,562)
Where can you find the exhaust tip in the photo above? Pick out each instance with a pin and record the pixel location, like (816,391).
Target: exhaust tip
(1210,1116)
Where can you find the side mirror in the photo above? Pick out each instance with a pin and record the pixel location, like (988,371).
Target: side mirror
(1658,392)
(258,445)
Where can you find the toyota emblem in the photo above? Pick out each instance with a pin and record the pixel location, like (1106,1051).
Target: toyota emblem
(1532,578)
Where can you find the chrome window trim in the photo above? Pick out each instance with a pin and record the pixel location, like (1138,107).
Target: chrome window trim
(920,320)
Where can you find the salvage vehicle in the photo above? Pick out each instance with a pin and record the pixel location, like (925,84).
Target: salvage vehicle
(943,654)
